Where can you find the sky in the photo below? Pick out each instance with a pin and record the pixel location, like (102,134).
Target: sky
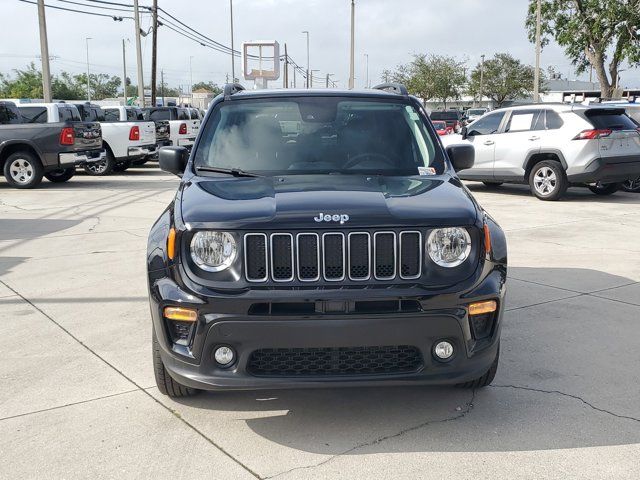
(390,32)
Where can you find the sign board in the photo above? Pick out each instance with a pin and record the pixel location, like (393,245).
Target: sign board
(261,61)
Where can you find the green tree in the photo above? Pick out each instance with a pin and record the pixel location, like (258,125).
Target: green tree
(505,78)
(65,87)
(210,86)
(27,83)
(433,77)
(598,33)
(101,85)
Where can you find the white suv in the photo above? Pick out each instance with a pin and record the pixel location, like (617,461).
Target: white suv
(553,146)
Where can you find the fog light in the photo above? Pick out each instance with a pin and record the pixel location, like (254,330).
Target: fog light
(443,350)
(224,355)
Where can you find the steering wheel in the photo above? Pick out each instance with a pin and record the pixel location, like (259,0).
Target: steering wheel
(361,157)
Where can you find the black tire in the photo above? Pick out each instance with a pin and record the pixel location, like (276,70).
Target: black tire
(121,166)
(493,184)
(101,168)
(60,176)
(139,163)
(632,186)
(548,181)
(485,379)
(166,384)
(23,169)
(605,188)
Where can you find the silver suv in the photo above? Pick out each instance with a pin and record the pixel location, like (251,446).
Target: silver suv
(554,146)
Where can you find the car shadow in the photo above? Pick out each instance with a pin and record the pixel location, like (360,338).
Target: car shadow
(573,194)
(558,386)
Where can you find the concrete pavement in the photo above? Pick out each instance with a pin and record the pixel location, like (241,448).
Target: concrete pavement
(78,397)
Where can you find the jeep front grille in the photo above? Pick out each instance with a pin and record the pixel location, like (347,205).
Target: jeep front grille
(333,256)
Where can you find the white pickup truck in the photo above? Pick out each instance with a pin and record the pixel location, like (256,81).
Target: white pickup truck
(184,129)
(127,137)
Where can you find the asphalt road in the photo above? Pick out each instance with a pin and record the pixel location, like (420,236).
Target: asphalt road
(78,399)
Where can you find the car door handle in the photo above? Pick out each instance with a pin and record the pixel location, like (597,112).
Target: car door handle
(489,142)
(534,138)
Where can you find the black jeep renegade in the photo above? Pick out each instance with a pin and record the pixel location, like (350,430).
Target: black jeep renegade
(322,237)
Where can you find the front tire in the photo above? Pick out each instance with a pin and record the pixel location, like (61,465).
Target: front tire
(632,186)
(167,385)
(605,188)
(486,379)
(548,181)
(122,166)
(60,176)
(23,170)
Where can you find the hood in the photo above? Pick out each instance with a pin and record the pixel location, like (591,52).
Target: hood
(325,202)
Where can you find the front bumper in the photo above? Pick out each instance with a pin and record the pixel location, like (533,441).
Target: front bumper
(230,320)
(76,159)
(606,170)
(142,151)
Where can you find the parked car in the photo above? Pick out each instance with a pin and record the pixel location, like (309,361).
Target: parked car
(183,129)
(347,253)
(473,114)
(633,110)
(453,118)
(553,146)
(45,140)
(441,127)
(128,138)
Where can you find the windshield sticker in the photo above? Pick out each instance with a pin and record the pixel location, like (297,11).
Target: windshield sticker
(426,170)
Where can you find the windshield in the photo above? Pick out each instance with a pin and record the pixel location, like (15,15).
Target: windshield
(476,111)
(318,135)
(438,125)
(445,115)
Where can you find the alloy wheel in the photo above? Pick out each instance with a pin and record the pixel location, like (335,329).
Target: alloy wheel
(545,181)
(21,171)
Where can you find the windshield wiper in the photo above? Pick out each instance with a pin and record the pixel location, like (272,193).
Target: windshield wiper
(236,172)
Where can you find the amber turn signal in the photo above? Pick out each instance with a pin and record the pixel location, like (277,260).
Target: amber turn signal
(487,239)
(483,307)
(180,314)
(171,243)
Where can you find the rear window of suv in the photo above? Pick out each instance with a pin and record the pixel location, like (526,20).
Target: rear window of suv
(33,114)
(614,119)
(318,135)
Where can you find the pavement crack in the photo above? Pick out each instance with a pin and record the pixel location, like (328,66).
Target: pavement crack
(569,395)
(459,415)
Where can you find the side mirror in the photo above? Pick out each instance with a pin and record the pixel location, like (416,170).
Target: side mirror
(173,159)
(462,156)
(464,132)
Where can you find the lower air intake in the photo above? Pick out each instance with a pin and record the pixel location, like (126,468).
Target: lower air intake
(334,361)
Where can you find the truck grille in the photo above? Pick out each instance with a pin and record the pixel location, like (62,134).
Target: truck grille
(334,361)
(332,256)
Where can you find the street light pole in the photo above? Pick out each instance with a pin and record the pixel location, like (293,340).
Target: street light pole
(191,79)
(536,80)
(139,54)
(352,58)
(88,84)
(366,80)
(44,53)
(233,55)
(308,71)
(124,72)
(481,78)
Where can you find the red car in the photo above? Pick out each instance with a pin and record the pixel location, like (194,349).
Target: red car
(441,127)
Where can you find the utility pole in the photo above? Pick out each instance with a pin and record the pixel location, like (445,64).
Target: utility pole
(285,78)
(352,59)
(124,72)
(233,55)
(88,81)
(294,77)
(366,80)
(481,78)
(328,79)
(44,53)
(162,87)
(191,79)
(536,79)
(154,52)
(307,57)
(139,54)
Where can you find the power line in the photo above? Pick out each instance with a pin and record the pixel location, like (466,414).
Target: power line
(95,6)
(116,18)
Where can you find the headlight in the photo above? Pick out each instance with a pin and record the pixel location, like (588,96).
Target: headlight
(449,247)
(213,251)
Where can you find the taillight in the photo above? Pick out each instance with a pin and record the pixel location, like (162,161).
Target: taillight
(67,136)
(134,133)
(183,129)
(593,134)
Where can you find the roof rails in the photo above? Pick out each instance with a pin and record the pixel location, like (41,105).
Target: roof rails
(396,88)
(230,89)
